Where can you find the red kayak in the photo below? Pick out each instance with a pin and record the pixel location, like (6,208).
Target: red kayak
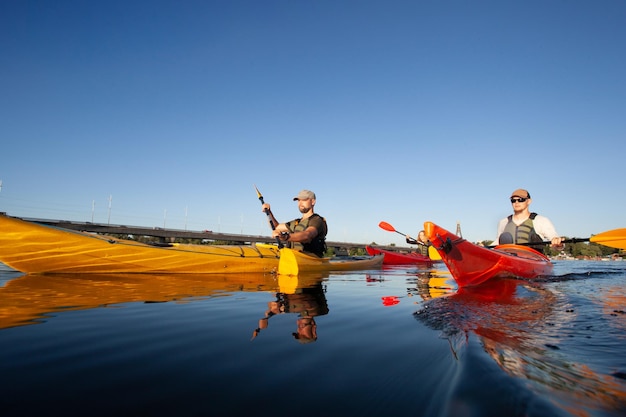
(472,264)
(397,258)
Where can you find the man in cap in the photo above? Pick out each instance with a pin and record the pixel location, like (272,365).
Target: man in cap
(525,227)
(307,233)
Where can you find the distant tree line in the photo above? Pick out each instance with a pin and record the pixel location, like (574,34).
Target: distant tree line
(583,249)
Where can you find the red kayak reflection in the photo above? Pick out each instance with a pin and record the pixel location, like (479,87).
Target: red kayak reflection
(523,327)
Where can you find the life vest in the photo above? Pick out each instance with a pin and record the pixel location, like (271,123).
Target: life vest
(524,233)
(422,248)
(318,244)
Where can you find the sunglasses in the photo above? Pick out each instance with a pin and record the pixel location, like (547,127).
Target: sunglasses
(518,200)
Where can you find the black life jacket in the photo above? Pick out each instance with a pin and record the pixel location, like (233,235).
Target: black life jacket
(318,245)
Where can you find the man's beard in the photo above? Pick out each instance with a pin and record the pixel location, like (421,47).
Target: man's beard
(305,210)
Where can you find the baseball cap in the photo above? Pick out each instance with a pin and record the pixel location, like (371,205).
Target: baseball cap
(520,192)
(304,195)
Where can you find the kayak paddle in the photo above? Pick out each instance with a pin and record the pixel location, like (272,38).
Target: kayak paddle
(269,217)
(432,252)
(615,238)
(386,226)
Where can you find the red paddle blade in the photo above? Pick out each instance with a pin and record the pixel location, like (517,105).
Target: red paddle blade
(386,226)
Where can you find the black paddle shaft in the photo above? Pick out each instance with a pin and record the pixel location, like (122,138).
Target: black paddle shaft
(272,225)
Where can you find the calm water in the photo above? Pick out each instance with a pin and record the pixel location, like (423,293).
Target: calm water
(395,342)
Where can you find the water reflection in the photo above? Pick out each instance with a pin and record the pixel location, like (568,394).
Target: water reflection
(431,284)
(307,300)
(426,284)
(30,298)
(532,333)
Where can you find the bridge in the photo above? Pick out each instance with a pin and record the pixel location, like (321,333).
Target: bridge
(168,235)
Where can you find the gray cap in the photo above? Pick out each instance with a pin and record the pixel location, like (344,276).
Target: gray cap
(304,195)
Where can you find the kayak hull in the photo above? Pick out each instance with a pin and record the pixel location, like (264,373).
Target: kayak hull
(471,264)
(35,248)
(395,258)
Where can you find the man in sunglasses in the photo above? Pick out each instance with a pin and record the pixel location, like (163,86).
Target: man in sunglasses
(523,227)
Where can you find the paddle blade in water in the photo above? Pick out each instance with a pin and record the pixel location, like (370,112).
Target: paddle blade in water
(287,264)
(613,238)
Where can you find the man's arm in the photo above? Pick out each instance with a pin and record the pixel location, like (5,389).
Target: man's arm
(545,229)
(304,236)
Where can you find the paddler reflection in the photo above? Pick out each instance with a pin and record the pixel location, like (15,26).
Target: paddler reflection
(307,299)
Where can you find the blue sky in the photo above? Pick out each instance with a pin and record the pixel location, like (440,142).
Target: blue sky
(402,111)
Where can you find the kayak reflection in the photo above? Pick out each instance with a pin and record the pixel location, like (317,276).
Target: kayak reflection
(307,299)
(523,327)
(431,284)
(427,284)
(28,299)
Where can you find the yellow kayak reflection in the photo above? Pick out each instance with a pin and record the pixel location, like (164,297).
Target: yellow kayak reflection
(25,300)
(427,284)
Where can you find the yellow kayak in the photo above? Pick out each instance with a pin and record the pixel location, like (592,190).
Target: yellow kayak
(35,248)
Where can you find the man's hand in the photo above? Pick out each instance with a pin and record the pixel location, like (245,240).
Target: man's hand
(557,243)
(281,232)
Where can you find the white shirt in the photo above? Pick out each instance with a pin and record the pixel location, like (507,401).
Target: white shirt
(543,227)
